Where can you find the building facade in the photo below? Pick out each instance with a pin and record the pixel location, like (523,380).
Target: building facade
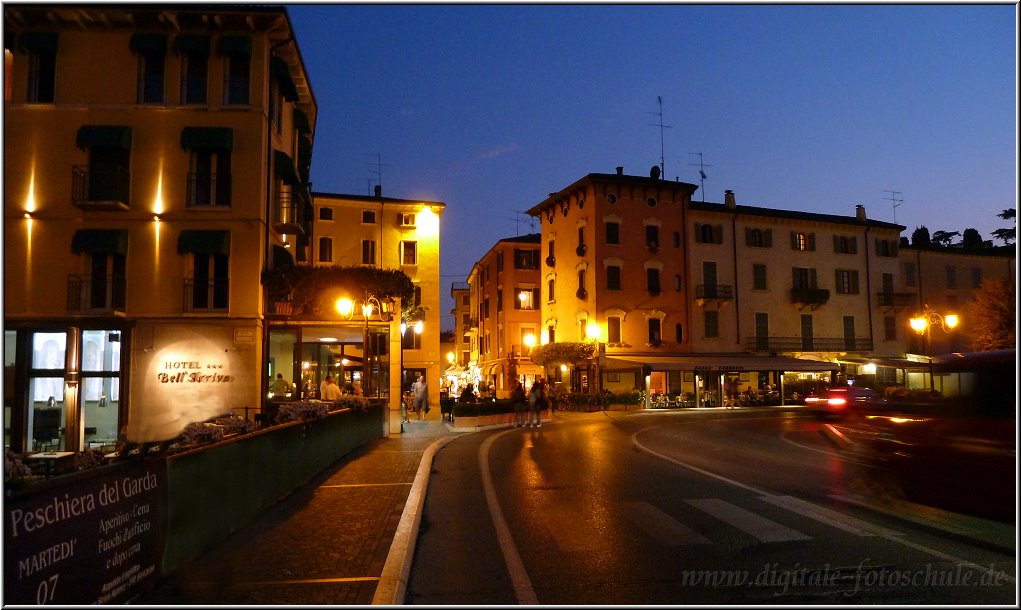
(155,163)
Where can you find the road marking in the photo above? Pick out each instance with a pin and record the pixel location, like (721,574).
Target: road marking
(365,485)
(842,458)
(573,530)
(828,516)
(661,526)
(519,577)
(745,520)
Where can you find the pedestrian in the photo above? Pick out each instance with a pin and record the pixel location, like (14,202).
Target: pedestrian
(280,387)
(536,403)
(322,387)
(356,389)
(421,393)
(731,388)
(518,400)
(331,392)
(468,393)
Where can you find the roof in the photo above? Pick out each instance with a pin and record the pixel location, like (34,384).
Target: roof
(647,181)
(531,238)
(374,199)
(748,210)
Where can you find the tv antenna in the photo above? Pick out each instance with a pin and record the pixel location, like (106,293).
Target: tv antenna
(896,202)
(379,170)
(517,222)
(662,162)
(701,173)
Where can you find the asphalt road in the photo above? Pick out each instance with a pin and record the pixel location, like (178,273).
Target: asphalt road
(712,507)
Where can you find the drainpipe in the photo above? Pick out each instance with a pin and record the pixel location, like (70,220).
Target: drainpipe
(731,203)
(860,214)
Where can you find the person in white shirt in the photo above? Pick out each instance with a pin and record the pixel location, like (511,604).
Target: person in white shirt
(329,390)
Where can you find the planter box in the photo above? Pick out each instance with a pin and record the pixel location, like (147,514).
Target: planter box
(469,423)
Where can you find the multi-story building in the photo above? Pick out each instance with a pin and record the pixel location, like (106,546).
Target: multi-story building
(389,233)
(462,312)
(504,292)
(155,162)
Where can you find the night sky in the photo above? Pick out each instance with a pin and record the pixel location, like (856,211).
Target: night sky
(489,108)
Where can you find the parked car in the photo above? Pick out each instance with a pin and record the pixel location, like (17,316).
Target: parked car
(836,403)
(957,451)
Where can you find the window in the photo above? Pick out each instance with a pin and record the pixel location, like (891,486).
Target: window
(581,240)
(550,294)
(325,213)
(100,380)
(613,277)
(106,181)
(652,236)
(758,277)
(842,244)
(976,277)
(407,220)
(368,252)
(849,343)
(804,242)
(582,293)
(499,262)
(677,239)
(152,71)
(237,73)
(951,277)
(107,282)
(651,202)
(711,320)
(325,249)
(803,277)
(42,66)
(526,259)
(613,329)
(527,298)
(209,179)
(210,283)
(276,105)
(655,333)
(612,232)
(807,332)
(890,328)
(909,274)
(194,52)
(550,253)
(847,281)
(485,308)
(409,253)
(708,234)
(411,339)
(368,217)
(761,331)
(678,333)
(499,300)
(757,238)
(677,283)
(652,280)
(46,417)
(551,334)
(886,247)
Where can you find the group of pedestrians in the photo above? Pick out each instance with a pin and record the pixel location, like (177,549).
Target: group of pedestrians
(533,404)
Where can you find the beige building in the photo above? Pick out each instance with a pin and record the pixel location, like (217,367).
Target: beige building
(155,162)
(389,233)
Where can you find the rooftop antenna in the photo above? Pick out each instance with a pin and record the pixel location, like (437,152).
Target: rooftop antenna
(896,202)
(701,173)
(662,161)
(517,223)
(379,170)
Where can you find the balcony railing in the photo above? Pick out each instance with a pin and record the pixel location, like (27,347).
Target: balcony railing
(809,344)
(206,295)
(290,216)
(809,296)
(714,292)
(896,299)
(101,186)
(207,190)
(96,294)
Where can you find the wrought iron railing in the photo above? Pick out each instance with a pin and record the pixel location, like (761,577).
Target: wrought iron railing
(809,344)
(896,299)
(714,292)
(96,294)
(101,186)
(810,296)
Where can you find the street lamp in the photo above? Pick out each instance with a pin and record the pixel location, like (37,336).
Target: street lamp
(368,306)
(923,323)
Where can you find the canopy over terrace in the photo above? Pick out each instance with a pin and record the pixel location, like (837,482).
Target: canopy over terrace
(721,364)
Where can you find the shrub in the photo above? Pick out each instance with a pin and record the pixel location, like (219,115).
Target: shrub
(304,410)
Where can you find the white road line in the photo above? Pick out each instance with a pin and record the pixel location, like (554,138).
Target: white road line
(519,577)
(828,516)
(842,458)
(661,526)
(745,520)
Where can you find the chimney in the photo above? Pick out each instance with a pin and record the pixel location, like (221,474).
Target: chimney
(379,190)
(728,199)
(859,213)
(620,170)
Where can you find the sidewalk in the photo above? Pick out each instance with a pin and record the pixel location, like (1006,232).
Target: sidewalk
(346,537)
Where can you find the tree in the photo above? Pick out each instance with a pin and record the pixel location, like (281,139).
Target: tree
(991,318)
(944,238)
(971,239)
(1009,234)
(552,355)
(920,237)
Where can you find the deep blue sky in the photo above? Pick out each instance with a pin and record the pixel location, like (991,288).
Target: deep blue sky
(489,108)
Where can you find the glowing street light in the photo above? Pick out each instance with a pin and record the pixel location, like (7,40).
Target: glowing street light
(923,323)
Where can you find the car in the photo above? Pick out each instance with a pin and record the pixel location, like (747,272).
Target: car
(956,451)
(837,402)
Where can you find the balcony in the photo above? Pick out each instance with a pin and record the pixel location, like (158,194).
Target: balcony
(207,190)
(96,294)
(106,187)
(289,216)
(713,292)
(521,353)
(809,344)
(202,296)
(809,297)
(896,300)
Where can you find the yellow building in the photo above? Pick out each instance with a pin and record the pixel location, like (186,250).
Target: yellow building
(505,292)
(155,161)
(389,233)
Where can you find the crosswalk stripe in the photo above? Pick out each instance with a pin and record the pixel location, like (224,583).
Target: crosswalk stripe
(747,521)
(661,526)
(828,516)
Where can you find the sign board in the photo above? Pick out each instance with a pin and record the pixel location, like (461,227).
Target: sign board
(98,540)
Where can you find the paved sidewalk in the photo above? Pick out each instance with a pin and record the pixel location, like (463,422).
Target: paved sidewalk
(346,537)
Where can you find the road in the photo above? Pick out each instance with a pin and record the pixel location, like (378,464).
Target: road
(687,507)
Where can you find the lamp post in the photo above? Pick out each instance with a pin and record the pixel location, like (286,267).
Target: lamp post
(923,323)
(368,306)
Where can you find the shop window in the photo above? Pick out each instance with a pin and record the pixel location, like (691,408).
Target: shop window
(47,411)
(100,380)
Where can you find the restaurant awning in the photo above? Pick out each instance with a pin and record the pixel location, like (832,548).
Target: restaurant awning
(203,242)
(719,363)
(282,257)
(108,241)
(285,167)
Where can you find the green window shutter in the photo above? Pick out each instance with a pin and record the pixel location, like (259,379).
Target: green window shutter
(108,136)
(811,242)
(203,242)
(109,241)
(767,238)
(216,138)
(718,234)
(854,245)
